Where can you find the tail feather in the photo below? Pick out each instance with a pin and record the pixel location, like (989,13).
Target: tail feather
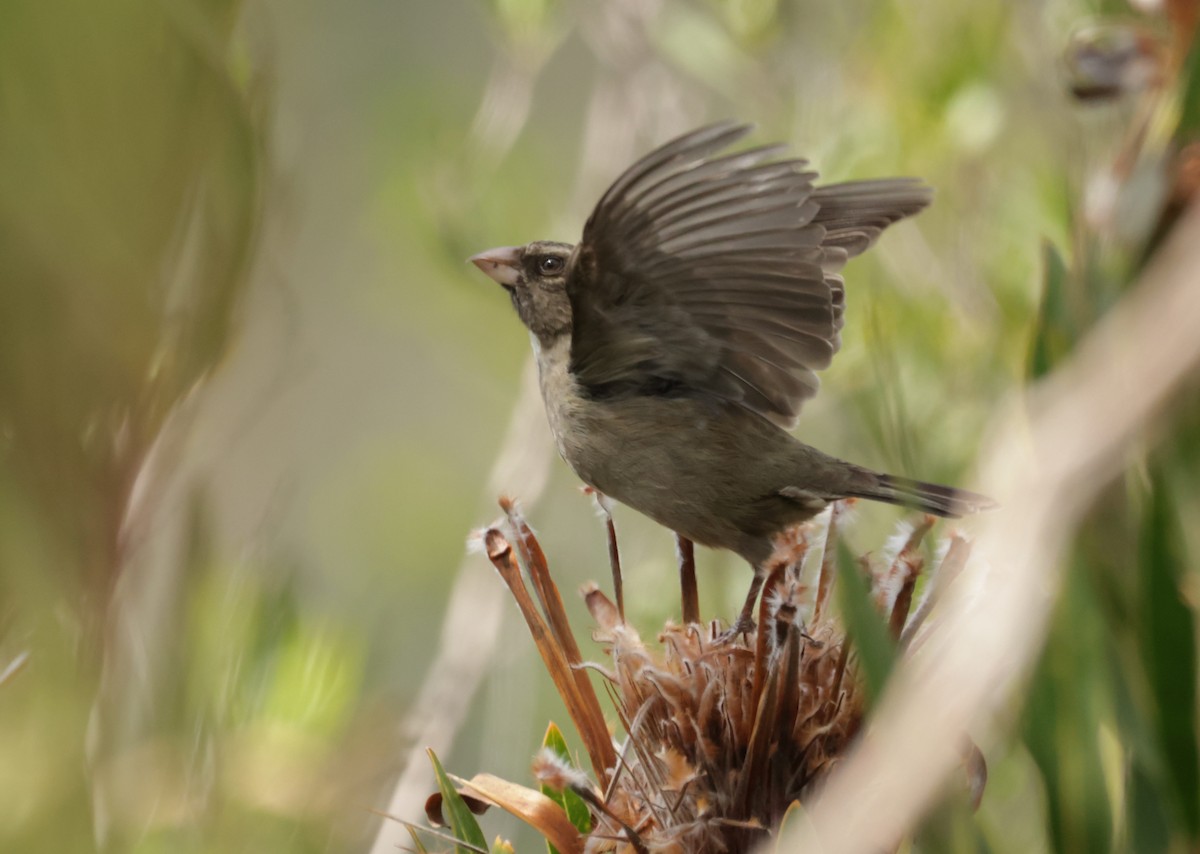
(929,497)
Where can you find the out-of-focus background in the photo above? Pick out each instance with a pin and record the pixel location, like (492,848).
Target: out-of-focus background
(253,400)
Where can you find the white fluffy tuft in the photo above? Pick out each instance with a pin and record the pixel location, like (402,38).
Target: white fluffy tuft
(897,541)
(475,542)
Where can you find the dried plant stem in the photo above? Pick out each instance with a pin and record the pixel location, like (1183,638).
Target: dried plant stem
(943,575)
(614,553)
(828,563)
(590,722)
(902,576)
(547,591)
(762,639)
(1046,466)
(572,682)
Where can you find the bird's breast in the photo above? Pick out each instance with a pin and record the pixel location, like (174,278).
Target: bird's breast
(561,395)
(596,438)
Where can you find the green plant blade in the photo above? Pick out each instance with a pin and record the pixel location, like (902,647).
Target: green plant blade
(1169,656)
(1064,718)
(573,805)
(462,823)
(1149,825)
(1054,332)
(866,627)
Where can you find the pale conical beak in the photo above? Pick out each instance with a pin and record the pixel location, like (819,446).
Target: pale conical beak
(502,263)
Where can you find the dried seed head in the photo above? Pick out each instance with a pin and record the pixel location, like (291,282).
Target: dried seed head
(724,734)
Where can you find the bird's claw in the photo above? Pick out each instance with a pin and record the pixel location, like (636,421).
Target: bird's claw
(744,626)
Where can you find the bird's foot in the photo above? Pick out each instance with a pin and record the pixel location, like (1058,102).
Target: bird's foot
(744,627)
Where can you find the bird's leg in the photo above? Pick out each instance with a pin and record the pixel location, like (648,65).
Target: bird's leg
(614,555)
(690,592)
(614,561)
(745,620)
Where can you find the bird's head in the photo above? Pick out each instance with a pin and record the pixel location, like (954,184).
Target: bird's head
(535,276)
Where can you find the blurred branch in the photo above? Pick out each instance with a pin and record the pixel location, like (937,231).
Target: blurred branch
(502,114)
(472,622)
(1046,468)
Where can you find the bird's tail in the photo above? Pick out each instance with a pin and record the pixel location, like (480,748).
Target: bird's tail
(929,497)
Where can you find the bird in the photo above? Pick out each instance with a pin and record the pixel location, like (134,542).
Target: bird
(678,339)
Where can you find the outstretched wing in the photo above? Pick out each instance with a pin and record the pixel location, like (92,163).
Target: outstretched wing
(702,273)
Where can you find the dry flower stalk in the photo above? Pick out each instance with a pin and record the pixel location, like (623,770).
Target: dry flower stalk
(554,640)
(723,734)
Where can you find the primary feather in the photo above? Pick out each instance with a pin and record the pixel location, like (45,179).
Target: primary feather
(711,274)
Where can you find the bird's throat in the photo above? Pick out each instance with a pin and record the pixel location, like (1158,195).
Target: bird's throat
(560,391)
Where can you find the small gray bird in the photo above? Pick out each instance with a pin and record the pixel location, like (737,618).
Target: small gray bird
(677,341)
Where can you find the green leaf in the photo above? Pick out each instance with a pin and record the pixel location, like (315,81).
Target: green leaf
(462,822)
(1168,648)
(1055,331)
(876,651)
(573,805)
(1149,826)
(1065,717)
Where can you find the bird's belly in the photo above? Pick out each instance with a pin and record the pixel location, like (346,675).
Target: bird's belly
(702,468)
(672,460)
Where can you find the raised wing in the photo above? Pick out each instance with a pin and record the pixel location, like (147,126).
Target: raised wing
(701,273)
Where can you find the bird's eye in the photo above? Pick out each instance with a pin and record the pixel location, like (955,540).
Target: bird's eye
(549,264)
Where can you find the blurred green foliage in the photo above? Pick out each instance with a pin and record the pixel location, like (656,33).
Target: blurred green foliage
(1111,718)
(129,199)
(250,219)
(865,626)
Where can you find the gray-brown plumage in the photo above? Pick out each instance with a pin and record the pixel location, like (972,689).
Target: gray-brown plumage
(677,341)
